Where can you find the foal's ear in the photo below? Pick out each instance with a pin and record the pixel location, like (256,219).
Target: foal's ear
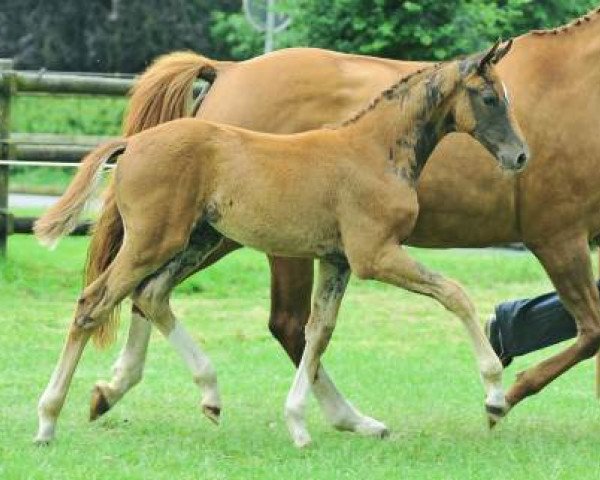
(502,51)
(488,58)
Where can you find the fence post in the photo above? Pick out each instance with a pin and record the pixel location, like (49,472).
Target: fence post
(6,86)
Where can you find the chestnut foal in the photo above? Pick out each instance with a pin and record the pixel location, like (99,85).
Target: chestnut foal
(200,182)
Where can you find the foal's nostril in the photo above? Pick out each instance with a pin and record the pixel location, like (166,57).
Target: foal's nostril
(521,160)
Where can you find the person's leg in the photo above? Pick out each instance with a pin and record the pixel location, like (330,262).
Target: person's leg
(523,326)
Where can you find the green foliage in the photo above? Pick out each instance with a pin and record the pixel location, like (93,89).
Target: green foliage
(76,115)
(94,36)
(426,29)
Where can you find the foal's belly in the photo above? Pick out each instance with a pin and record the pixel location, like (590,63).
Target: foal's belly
(283,229)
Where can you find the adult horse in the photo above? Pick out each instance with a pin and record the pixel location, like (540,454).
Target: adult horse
(553,207)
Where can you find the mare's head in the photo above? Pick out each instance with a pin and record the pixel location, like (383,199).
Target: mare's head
(482,108)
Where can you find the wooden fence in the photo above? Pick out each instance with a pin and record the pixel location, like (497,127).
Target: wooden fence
(45,149)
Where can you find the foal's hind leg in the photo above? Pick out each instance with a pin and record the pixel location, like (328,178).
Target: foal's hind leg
(392,264)
(152,296)
(127,370)
(155,302)
(96,302)
(205,248)
(53,398)
(132,264)
(333,278)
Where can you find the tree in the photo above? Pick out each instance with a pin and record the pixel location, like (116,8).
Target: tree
(426,29)
(75,35)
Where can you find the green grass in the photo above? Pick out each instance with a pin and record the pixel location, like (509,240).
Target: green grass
(60,114)
(40,180)
(64,114)
(398,357)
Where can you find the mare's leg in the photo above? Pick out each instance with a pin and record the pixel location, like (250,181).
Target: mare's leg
(390,263)
(332,281)
(129,366)
(291,286)
(567,262)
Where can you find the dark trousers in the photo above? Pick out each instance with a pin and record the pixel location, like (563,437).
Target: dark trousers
(523,326)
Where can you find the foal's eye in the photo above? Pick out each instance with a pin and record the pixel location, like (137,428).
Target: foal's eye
(490,100)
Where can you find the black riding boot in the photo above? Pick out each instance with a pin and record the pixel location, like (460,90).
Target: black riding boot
(523,326)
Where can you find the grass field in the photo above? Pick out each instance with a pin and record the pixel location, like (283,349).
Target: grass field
(399,357)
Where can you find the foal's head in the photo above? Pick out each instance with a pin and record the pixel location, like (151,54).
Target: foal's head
(482,109)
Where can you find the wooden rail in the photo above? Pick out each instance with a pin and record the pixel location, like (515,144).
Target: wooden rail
(48,149)
(44,149)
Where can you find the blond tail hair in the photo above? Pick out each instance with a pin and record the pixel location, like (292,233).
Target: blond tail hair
(61,219)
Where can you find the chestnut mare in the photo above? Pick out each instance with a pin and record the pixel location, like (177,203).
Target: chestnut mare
(203,181)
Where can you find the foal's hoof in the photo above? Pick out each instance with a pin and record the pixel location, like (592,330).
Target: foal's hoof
(212,413)
(367,426)
(301,438)
(495,414)
(43,438)
(98,403)
(42,442)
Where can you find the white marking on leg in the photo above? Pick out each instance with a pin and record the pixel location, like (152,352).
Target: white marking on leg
(201,367)
(295,405)
(340,413)
(128,369)
(332,281)
(53,397)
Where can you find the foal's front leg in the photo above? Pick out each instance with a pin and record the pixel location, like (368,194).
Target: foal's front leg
(291,286)
(390,263)
(332,281)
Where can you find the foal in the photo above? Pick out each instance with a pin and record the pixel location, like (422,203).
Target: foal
(201,181)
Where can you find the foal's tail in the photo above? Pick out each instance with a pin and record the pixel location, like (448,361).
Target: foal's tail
(62,217)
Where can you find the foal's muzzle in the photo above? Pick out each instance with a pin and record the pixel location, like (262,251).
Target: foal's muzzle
(514,160)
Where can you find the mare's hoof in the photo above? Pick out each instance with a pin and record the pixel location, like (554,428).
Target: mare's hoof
(212,413)
(98,404)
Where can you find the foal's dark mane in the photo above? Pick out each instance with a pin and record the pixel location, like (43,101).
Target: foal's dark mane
(591,15)
(394,91)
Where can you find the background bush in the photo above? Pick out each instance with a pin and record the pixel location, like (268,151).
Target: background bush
(124,35)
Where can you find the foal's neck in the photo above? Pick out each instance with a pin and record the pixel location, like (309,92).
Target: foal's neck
(409,119)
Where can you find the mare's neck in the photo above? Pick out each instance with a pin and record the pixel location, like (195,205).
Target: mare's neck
(409,119)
